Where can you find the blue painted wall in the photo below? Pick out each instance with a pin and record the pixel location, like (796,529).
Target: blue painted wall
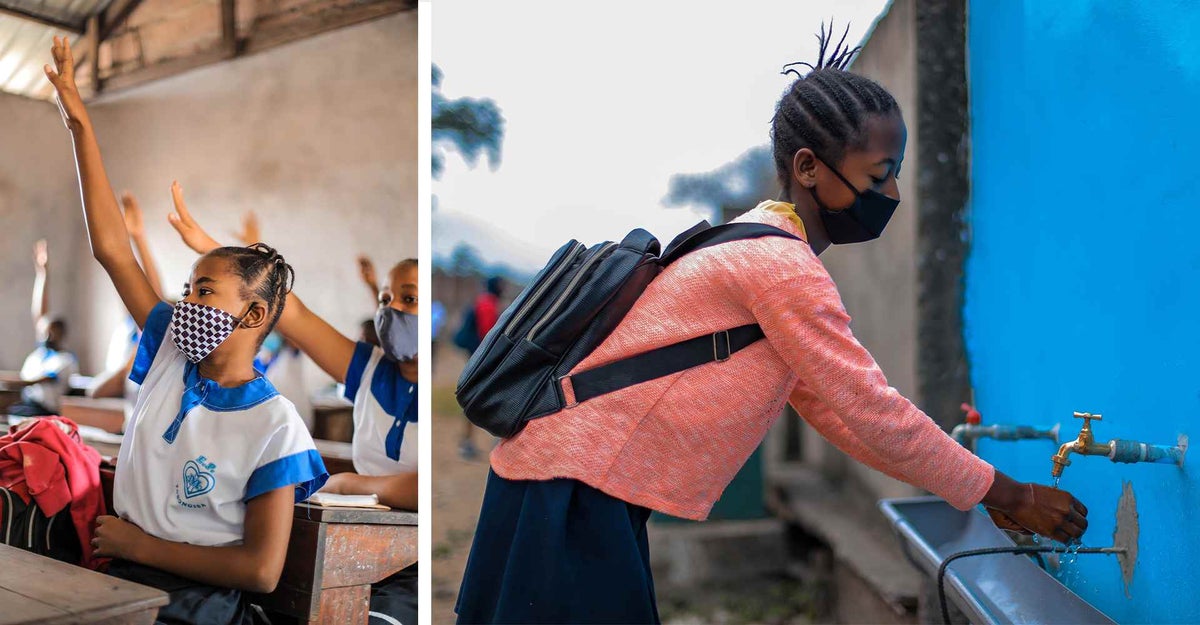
(1083,283)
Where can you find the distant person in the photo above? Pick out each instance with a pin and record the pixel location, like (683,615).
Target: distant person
(48,369)
(283,363)
(437,314)
(478,319)
(122,346)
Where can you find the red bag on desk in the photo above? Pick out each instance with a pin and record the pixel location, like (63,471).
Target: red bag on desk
(47,464)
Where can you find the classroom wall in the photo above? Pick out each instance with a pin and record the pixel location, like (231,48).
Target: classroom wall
(39,198)
(878,280)
(1082,284)
(319,138)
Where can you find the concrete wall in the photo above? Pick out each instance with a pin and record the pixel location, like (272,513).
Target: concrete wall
(319,138)
(39,198)
(1081,286)
(878,280)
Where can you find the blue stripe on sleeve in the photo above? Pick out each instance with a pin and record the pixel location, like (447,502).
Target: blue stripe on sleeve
(304,469)
(358,364)
(394,393)
(153,334)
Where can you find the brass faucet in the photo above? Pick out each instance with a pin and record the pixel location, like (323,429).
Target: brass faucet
(1084,445)
(1116,449)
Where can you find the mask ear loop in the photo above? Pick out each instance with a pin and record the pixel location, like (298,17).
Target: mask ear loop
(238,320)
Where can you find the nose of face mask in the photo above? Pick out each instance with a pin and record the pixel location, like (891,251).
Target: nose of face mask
(397,333)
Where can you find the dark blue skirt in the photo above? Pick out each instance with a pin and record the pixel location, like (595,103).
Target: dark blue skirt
(557,551)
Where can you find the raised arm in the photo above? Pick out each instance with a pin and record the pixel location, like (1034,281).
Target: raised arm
(366,271)
(105,225)
(136,226)
(41,295)
(326,346)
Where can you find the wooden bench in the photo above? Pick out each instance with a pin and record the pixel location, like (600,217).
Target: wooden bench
(37,589)
(334,556)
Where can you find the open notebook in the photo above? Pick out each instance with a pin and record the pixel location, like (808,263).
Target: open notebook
(330,500)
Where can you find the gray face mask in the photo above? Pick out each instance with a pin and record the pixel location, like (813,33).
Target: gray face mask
(397,333)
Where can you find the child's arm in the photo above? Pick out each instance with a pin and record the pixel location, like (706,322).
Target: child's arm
(326,346)
(106,227)
(366,270)
(112,383)
(396,491)
(135,225)
(41,295)
(254,566)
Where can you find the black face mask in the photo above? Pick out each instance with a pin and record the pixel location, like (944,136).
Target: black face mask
(863,220)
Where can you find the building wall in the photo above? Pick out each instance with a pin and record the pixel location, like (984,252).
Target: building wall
(319,138)
(38,199)
(1081,285)
(878,280)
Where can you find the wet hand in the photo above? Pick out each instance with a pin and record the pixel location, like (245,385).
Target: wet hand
(1049,512)
(134,222)
(66,93)
(1005,522)
(192,234)
(117,538)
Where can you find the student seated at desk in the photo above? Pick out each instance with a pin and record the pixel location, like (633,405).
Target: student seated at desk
(204,509)
(48,369)
(381,381)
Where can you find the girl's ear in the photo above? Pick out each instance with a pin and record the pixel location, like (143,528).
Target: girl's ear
(256,316)
(804,168)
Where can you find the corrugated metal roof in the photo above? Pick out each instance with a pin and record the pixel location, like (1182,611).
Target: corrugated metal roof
(71,13)
(24,49)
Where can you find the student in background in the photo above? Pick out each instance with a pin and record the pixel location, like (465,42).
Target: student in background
(204,510)
(48,369)
(381,381)
(477,321)
(122,346)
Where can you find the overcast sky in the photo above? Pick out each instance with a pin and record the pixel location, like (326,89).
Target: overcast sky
(604,102)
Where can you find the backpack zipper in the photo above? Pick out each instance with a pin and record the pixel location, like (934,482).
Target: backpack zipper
(9,510)
(579,276)
(49,526)
(30,516)
(551,279)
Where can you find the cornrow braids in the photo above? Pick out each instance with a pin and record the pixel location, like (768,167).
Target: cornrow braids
(265,275)
(826,109)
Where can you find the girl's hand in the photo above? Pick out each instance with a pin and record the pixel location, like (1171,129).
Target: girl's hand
(134,223)
(1005,522)
(336,484)
(366,269)
(249,234)
(192,234)
(41,255)
(118,538)
(62,76)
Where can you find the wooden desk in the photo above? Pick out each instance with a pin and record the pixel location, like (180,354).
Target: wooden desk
(36,589)
(334,556)
(106,413)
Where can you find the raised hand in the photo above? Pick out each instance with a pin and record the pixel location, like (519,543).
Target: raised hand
(249,234)
(134,221)
(192,234)
(366,269)
(62,76)
(41,254)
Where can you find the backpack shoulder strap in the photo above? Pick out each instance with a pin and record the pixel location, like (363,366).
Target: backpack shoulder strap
(698,238)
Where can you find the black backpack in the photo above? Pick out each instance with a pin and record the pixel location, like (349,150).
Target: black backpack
(568,309)
(23,525)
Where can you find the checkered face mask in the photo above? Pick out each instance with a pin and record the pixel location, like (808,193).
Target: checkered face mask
(200,329)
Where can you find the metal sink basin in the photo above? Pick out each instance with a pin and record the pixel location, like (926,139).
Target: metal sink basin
(1000,588)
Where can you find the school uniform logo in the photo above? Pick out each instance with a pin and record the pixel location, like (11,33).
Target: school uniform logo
(198,479)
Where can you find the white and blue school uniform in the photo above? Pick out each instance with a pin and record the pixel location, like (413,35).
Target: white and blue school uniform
(58,366)
(384,443)
(385,414)
(194,453)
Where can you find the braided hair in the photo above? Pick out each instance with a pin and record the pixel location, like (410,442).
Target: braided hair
(265,275)
(826,109)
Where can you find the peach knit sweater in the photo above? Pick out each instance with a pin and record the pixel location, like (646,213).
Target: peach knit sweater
(674,444)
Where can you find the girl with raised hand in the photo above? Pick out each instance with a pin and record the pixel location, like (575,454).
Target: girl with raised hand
(381,381)
(213,458)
